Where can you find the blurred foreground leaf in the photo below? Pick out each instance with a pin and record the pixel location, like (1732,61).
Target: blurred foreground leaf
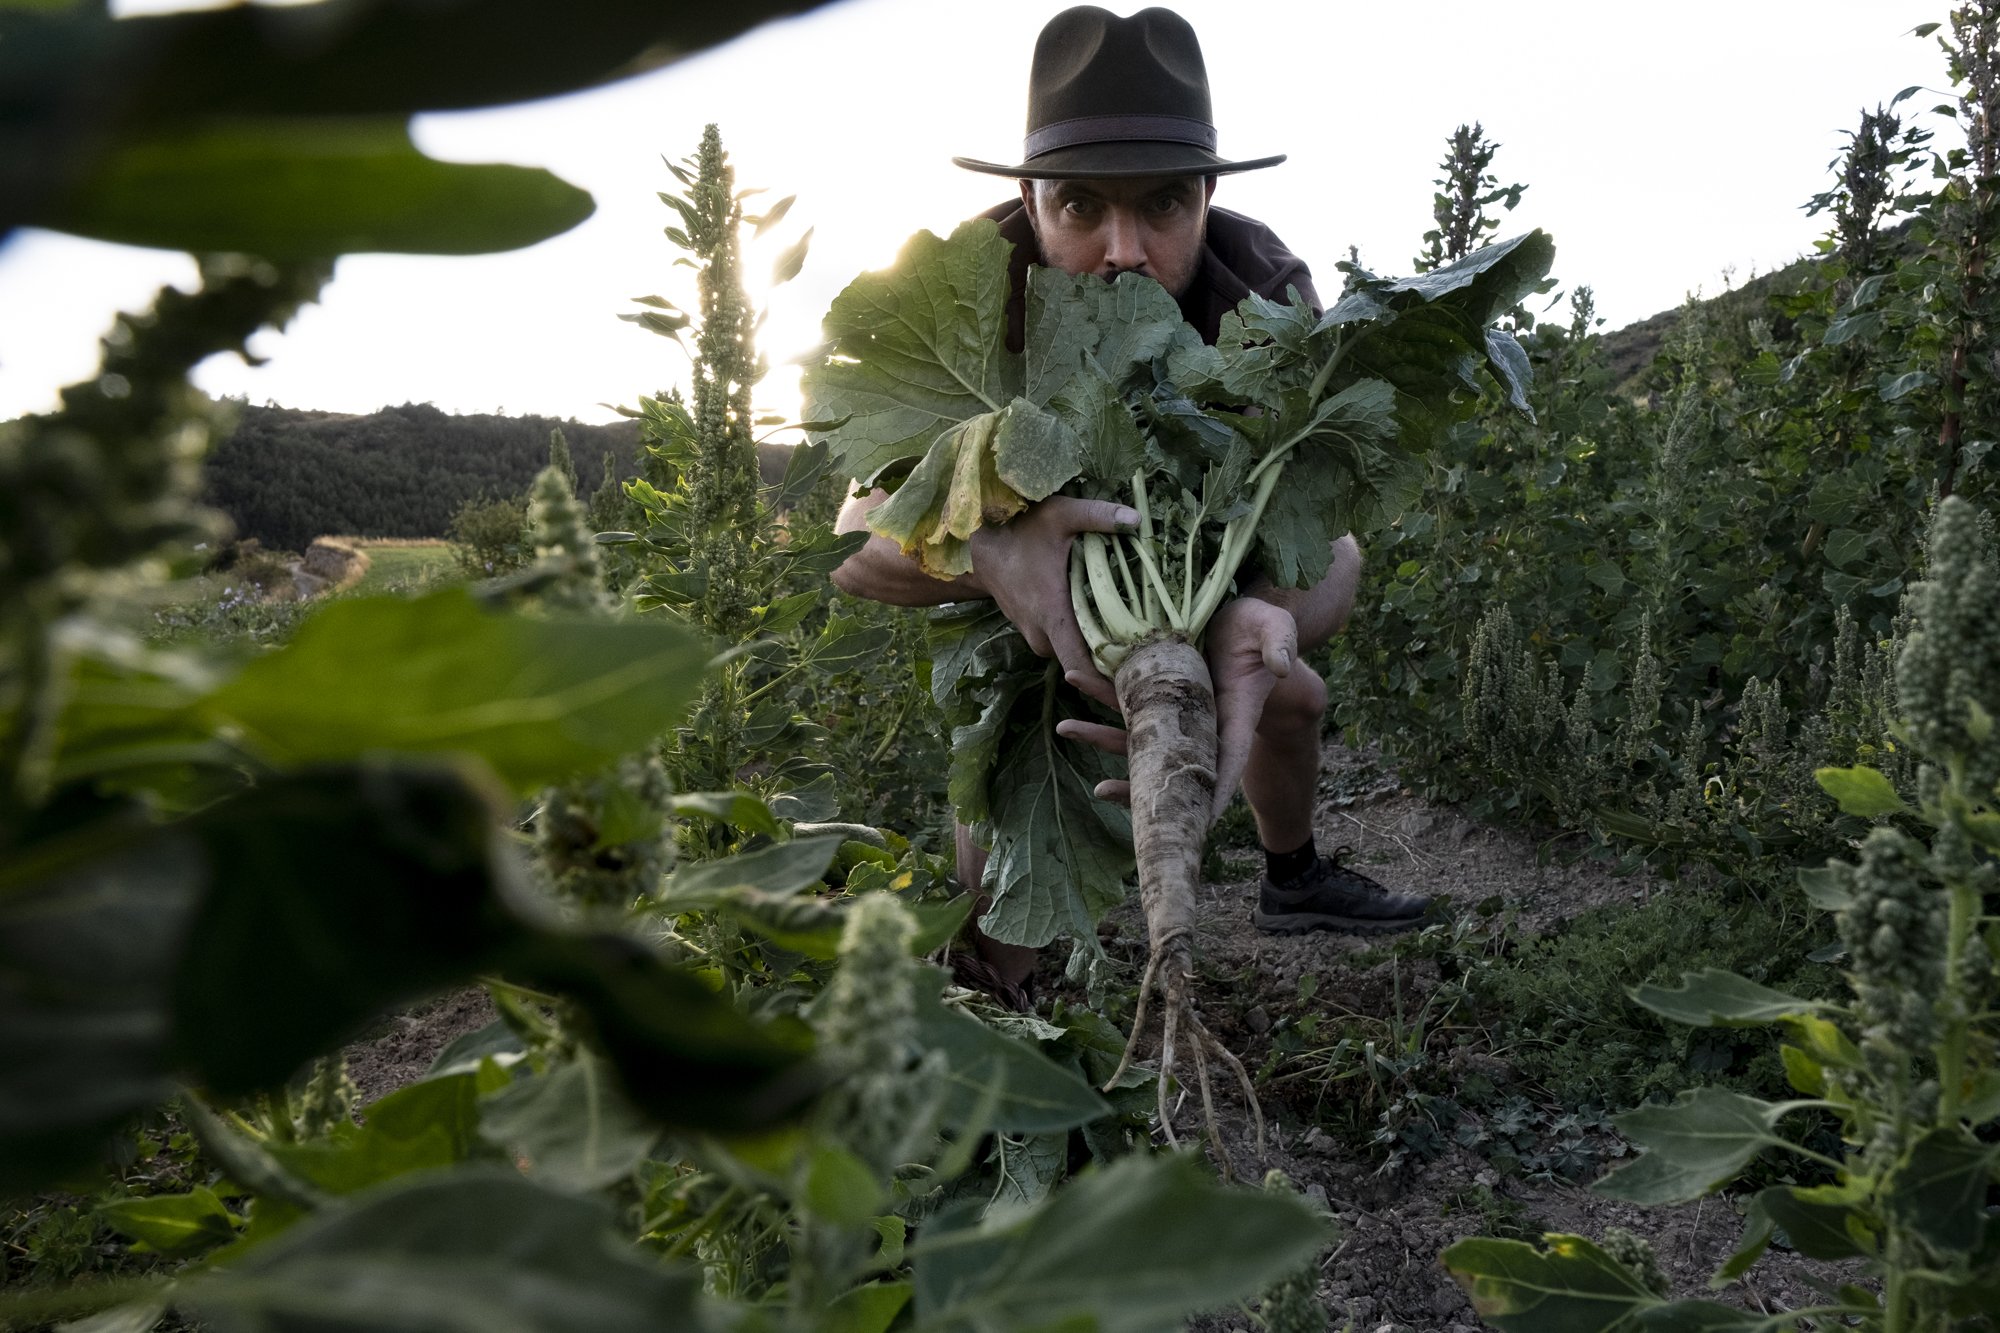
(231,947)
(288,189)
(468,1252)
(96,111)
(1134,1247)
(539,699)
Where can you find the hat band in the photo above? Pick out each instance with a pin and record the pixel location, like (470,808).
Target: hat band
(1110,129)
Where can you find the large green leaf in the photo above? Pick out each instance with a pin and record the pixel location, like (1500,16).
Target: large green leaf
(1135,1247)
(1571,1286)
(464,1252)
(86,960)
(1861,791)
(178,1226)
(867,1309)
(1940,1191)
(914,350)
(539,699)
(573,1125)
(1696,1145)
(781,868)
(1488,281)
(1059,855)
(979,665)
(233,946)
(1035,1095)
(1713,997)
(1817,1223)
(1121,326)
(430,1124)
(1349,476)
(292,190)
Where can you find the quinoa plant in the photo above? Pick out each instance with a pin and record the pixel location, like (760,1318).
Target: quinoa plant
(713,548)
(602,838)
(805,684)
(1908,1064)
(1466,193)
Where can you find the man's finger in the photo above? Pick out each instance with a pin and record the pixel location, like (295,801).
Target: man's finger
(1236,714)
(1279,650)
(1232,756)
(1116,790)
(1097,515)
(1085,677)
(1111,740)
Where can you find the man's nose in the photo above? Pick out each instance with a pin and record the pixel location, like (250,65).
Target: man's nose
(1124,242)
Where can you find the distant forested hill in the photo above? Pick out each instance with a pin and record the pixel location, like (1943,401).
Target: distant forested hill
(287,476)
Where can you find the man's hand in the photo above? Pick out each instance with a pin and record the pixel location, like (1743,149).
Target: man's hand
(1251,647)
(1023,566)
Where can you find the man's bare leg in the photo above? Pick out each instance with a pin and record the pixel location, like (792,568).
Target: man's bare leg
(1281,781)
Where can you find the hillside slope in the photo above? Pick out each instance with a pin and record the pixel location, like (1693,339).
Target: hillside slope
(286,476)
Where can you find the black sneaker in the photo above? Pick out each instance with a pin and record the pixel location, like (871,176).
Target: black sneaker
(1331,896)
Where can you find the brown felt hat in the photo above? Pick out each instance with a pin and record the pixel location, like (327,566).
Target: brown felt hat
(1111,97)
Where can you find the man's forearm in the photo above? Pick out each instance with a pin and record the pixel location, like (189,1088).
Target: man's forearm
(881,572)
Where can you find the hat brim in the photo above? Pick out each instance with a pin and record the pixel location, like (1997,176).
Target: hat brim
(1122,160)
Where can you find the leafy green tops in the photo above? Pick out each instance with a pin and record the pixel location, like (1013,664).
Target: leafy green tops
(1115,396)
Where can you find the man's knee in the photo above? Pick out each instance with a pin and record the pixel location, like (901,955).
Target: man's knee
(1297,703)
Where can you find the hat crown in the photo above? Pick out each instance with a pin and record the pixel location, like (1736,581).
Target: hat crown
(1090,62)
(1112,97)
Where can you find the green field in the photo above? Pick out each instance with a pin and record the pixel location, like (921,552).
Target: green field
(405,566)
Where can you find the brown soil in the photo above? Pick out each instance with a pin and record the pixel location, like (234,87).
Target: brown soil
(1395,1219)
(402,1050)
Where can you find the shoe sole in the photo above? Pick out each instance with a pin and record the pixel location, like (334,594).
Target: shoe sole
(1304,923)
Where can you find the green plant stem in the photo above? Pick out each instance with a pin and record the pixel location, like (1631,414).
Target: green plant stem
(694,1232)
(1188,580)
(893,730)
(1133,587)
(1142,502)
(1895,1300)
(1118,618)
(278,1114)
(1962,922)
(1236,539)
(1319,381)
(1151,567)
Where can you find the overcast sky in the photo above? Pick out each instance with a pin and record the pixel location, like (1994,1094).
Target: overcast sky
(1664,147)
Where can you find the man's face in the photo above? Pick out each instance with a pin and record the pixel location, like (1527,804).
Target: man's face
(1151,225)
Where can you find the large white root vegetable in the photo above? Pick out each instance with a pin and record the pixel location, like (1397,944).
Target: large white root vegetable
(1169,705)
